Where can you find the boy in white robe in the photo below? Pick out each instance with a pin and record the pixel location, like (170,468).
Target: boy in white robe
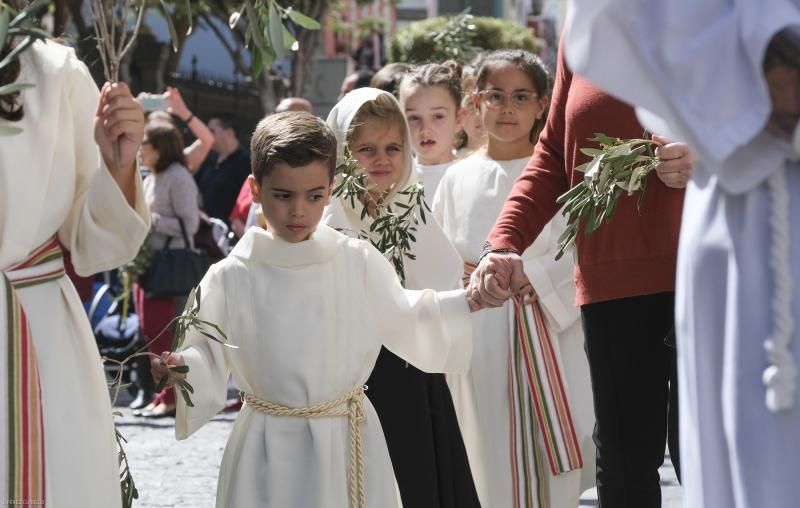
(308,309)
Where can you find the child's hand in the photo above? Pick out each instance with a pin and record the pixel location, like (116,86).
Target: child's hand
(526,291)
(160,368)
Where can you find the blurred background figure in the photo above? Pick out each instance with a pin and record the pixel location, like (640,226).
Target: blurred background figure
(171,196)
(388,78)
(295,104)
(221,177)
(358,79)
(171,105)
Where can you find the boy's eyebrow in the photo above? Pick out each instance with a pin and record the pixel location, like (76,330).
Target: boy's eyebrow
(292,192)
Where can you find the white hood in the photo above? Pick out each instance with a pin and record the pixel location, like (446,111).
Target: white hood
(437,264)
(341,116)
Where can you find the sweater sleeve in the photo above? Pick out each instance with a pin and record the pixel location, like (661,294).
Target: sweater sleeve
(532,202)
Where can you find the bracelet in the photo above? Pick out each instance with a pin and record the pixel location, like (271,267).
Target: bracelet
(191,116)
(487,249)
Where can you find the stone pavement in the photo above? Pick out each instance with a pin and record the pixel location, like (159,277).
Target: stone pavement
(170,473)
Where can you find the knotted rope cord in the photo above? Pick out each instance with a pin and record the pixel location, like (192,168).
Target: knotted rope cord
(350,405)
(779,377)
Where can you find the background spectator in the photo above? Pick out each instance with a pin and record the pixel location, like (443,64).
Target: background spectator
(171,194)
(222,175)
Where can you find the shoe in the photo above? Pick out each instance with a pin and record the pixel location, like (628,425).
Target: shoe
(146,409)
(142,399)
(161,411)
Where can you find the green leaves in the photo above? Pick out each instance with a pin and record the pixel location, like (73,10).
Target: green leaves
(128,487)
(5,16)
(392,228)
(267,30)
(302,20)
(173,34)
(619,165)
(22,27)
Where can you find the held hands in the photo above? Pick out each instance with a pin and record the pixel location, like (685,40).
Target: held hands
(497,278)
(119,118)
(160,368)
(677,163)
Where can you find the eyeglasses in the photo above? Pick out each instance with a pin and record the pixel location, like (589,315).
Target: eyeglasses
(496,99)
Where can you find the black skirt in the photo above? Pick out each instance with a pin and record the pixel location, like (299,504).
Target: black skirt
(425,444)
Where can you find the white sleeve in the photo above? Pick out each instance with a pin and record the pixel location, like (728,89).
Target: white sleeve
(206,359)
(101,231)
(678,57)
(554,281)
(431,330)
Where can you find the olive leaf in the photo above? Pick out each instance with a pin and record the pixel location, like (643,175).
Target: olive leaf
(393,225)
(619,165)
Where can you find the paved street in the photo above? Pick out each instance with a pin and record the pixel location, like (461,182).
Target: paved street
(170,473)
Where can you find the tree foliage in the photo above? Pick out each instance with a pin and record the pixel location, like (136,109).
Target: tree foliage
(457,37)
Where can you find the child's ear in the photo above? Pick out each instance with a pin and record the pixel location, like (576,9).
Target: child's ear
(461,115)
(255,189)
(544,101)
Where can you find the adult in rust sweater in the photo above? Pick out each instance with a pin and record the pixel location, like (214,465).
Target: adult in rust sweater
(625,276)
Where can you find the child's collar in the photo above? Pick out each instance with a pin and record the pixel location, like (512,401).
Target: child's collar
(261,246)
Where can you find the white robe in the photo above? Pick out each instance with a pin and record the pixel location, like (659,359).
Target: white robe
(467,204)
(430,175)
(52,182)
(309,320)
(694,69)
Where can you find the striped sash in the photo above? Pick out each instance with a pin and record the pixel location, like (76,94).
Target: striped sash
(538,404)
(22,471)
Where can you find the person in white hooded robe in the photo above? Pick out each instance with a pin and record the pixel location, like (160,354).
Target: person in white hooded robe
(415,408)
(725,76)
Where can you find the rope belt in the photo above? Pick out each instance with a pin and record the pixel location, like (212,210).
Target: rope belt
(350,405)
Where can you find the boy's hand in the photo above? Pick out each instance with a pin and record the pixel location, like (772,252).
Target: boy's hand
(160,368)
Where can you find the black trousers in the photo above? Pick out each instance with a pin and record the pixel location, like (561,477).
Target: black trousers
(634,379)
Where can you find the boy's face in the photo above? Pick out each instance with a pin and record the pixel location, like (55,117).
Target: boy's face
(378,148)
(293,198)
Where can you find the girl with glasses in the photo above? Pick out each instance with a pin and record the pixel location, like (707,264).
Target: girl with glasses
(526,446)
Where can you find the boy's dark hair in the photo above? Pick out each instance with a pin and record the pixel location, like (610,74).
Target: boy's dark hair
(296,138)
(528,63)
(167,141)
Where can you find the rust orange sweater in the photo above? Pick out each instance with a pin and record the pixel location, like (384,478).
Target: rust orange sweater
(633,254)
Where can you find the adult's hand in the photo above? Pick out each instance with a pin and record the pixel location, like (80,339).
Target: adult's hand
(495,279)
(175,104)
(119,119)
(677,163)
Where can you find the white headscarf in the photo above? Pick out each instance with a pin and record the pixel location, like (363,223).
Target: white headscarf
(437,264)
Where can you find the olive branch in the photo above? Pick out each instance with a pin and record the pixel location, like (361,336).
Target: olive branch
(394,226)
(182,324)
(619,165)
(23,27)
